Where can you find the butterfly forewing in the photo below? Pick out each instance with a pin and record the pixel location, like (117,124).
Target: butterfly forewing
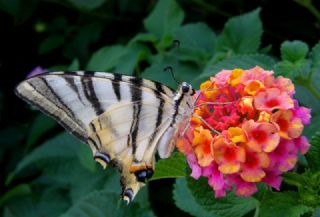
(122,118)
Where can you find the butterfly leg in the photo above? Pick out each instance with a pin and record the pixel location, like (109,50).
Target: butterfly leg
(206,123)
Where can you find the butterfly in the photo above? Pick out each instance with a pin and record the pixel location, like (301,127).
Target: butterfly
(125,120)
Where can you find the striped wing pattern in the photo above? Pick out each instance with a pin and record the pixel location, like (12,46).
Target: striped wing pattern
(123,119)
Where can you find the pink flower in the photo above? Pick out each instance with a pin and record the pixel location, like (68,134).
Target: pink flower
(271,99)
(256,73)
(261,136)
(285,156)
(228,156)
(302,112)
(216,180)
(252,168)
(273,179)
(243,188)
(221,78)
(290,127)
(195,167)
(302,144)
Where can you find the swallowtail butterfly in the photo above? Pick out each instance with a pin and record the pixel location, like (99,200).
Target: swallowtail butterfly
(125,120)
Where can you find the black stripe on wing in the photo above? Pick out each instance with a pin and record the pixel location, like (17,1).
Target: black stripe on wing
(160,110)
(176,109)
(116,85)
(136,96)
(51,113)
(91,96)
(116,78)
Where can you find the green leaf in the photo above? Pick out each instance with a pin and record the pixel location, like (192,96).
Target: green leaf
(173,167)
(24,207)
(284,204)
(156,72)
(313,154)
(166,16)
(87,4)
(74,66)
(315,56)
(311,101)
(79,45)
(50,43)
(86,159)
(183,72)
(40,125)
(130,61)
(197,198)
(241,34)
(315,67)
(107,58)
(309,130)
(61,147)
(239,61)
(293,70)
(19,190)
(184,199)
(52,202)
(143,37)
(294,51)
(105,204)
(64,162)
(197,42)
(21,10)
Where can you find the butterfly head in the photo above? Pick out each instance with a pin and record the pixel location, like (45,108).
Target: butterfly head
(186,88)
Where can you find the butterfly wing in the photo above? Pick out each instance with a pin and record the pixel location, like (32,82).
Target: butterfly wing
(122,118)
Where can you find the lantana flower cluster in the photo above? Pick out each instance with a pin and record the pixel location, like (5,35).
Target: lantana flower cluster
(246,129)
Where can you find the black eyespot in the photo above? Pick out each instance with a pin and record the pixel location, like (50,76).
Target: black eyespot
(149,173)
(143,175)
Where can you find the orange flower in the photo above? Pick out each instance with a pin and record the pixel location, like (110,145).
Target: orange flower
(271,99)
(202,143)
(246,106)
(261,136)
(228,155)
(236,135)
(252,168)
(290,127)
(235,76)
(253,87)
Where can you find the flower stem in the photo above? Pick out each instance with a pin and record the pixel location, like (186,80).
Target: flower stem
(307,83)
(257,211)
(313,90)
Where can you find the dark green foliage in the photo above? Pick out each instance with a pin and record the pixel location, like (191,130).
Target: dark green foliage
(197,198)
(49,173)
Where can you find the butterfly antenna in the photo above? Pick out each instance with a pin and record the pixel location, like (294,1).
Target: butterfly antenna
(170,69)
(176,47)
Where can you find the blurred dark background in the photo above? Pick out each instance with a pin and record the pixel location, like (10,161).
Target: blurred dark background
(51,33)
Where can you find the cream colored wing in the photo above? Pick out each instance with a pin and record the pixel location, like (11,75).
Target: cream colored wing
(129,142)
(122,118)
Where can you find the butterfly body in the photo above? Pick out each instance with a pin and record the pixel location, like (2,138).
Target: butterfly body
(125,120)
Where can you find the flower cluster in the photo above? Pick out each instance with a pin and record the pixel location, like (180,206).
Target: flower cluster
(246,128)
